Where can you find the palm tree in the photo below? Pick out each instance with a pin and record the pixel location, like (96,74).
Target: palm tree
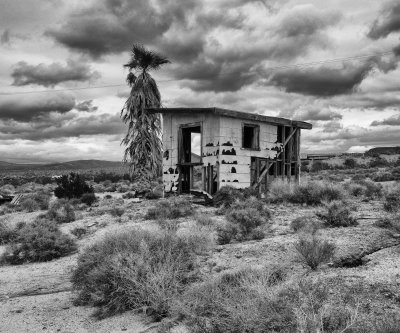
(143,139)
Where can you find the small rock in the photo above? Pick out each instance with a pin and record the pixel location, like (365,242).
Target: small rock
(124,329)
(65,307)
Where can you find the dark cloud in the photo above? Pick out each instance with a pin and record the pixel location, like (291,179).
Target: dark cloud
(322,81)
(55,126)
(392,121)
(111,26)
(86,106)
(24,108)
(52,74)
(5,37)
(306,20)
(387,22)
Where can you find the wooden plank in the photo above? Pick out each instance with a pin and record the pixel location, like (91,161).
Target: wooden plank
(262,176)
(298,164)
(283,153)
(290,151)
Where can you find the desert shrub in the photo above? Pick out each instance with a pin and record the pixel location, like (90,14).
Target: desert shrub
(337,214)
(226,233)
(280,190)
(134,269)
(392,201)
(389,222)
(168,225)
(205,220)
(116,211)
(350,163)
(252,202)
(378,162)
(372,189)
(88,198)
(72,186)
(354,189)
(305,223)
(313,251)
(128,195)
(40,240)
(7,189)
(142,186)
(226,196)
(7,233)
(172,208)
(310,193)
(246,220)
(251,300)
(155,194)
(61,211)
(314,193)
(123,188)
(79,232)
(29,205)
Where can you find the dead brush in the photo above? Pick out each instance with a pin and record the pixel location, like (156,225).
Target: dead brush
(314,251)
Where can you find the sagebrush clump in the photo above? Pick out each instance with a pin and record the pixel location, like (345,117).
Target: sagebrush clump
(246,220)
(314,251)
(7,233)
(306,224)
(266,300)
(136,269)
(40,240)
(337,214)
(172,208)
(61,211)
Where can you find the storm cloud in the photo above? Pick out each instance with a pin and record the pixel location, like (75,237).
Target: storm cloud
(322,81)
(55,126)
(26,108)
(52,74)
(387,22)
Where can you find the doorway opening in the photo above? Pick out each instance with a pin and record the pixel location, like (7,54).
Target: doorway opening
(189,152)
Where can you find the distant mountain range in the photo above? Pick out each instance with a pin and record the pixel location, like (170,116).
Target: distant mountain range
(383,150)
(71,165)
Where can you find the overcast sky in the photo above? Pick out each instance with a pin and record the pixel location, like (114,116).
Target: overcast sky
(224,53)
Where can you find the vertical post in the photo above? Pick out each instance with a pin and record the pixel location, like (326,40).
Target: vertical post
(298,164)
(283,163)
(290,153)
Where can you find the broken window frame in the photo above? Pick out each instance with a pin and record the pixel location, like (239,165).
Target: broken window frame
(256,136)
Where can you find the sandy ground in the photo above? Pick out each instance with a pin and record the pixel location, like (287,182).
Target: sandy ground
(37,297)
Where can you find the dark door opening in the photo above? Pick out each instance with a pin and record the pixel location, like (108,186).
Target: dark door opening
(189,152)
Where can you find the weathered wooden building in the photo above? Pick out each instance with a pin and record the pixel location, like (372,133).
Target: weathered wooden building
(236,148)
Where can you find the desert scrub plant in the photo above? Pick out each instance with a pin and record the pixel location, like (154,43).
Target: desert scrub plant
(314,251)
(171,208)
(205,220)
(7,233)
(29,205)
(246,300)
(72,186)
(88,198)
(135,269)
(116,211)
(337,214)
(79,232)
(392,201)
(38,241)
(308,224)
(226,196)
(265,300)
(61,211)
(314,193)
(389,222)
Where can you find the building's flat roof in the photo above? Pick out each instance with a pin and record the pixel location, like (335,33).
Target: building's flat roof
(235,114)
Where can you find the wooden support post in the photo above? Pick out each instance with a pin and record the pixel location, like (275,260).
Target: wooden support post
(283,153)
(259,180)
(290,152)
(298,164)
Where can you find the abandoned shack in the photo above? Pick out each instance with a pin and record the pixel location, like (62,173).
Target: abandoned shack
(207,148)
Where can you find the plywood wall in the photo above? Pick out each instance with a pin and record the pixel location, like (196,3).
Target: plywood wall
(209,144)
(235,160)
